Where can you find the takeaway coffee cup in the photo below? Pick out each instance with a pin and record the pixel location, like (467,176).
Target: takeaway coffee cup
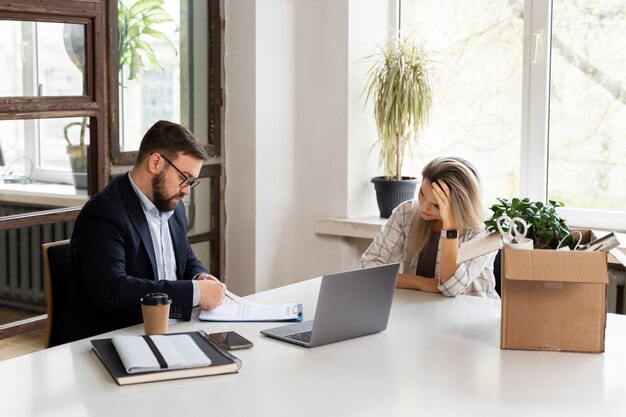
(524,243)
(155,308)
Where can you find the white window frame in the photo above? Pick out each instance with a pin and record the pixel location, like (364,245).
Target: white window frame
(534,161)
(32,144)
(535,100)
(534,150)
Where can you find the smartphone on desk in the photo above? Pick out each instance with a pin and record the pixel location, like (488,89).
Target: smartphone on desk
(231,340)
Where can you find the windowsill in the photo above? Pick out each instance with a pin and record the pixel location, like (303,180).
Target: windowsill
(366,227)
(43,194)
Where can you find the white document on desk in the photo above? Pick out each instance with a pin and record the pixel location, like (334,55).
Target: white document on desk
(235,308)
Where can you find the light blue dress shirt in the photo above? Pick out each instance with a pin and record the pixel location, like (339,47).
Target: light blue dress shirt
(162,240)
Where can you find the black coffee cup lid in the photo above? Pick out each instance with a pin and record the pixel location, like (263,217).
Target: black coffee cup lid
(156,299)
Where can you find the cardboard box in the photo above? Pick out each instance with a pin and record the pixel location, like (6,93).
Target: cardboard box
(554,300)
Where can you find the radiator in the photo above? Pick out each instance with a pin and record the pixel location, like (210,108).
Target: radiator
(21,264)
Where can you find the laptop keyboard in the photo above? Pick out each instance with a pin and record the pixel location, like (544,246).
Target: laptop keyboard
(304,337)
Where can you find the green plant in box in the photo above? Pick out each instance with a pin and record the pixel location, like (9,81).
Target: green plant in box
(545,226)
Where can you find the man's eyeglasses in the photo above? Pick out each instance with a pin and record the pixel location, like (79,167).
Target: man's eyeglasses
(188,181)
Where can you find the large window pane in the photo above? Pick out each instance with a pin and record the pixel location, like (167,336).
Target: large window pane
(476,48)
(44,156)
(153,92)
(41,59)
(588,105)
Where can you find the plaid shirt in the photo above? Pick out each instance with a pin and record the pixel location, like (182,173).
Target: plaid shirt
(473,277)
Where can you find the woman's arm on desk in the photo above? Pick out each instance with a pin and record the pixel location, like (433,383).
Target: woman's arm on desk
(416,282)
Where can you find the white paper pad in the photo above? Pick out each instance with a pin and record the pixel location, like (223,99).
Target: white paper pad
(235,308)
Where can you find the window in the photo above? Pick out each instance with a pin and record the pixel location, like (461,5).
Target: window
(60,87)
(179,77)
(476,54)
(35,59)
(52,82)
(151,91)
(531,92)
(179,80)
(42,59)
(586,146)
(52,99)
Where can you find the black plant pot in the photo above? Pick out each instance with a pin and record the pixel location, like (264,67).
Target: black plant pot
(390,193)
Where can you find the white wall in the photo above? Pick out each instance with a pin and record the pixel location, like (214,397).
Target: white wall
(297,136)
(240,142)
(370,24)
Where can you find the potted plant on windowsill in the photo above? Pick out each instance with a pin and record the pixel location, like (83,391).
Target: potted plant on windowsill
(545,226)
(78,154)
(399,87)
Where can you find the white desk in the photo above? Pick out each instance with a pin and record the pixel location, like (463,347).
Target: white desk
(439,357)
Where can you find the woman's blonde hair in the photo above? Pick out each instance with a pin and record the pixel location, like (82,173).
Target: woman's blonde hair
(465,195)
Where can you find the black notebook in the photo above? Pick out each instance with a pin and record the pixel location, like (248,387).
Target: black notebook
(222,362)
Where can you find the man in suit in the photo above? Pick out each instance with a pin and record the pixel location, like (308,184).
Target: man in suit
(130,240)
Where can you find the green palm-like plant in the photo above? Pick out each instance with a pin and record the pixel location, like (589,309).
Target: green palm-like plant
(134,24)
(399,86)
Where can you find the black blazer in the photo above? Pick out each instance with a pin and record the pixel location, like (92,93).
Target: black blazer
(113,264)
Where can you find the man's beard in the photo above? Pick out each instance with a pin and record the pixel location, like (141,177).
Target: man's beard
(161,201)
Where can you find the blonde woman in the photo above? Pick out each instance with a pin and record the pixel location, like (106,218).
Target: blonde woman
(424,234)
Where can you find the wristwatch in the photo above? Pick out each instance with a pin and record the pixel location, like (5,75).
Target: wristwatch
(449,234)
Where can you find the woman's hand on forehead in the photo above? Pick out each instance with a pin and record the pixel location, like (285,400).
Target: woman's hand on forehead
(441,191)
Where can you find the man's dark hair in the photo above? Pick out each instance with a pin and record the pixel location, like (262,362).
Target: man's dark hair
(169,139)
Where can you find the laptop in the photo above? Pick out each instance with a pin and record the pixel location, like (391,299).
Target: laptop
(350,304)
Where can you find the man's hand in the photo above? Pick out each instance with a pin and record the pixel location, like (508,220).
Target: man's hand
(204,276)
(211,291)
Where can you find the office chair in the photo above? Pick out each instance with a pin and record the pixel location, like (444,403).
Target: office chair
(56,264)
(497,270)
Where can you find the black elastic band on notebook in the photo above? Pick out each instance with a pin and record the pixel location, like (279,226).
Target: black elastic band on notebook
(155,351)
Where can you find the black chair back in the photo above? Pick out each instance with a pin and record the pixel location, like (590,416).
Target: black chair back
(56,257)
(497,271)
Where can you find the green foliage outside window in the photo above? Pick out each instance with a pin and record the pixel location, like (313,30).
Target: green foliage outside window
(136,24)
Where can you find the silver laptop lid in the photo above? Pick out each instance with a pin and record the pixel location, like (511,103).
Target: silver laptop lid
(354,303)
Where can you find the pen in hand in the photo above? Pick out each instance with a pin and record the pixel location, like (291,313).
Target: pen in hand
(212,290)
(227,293)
